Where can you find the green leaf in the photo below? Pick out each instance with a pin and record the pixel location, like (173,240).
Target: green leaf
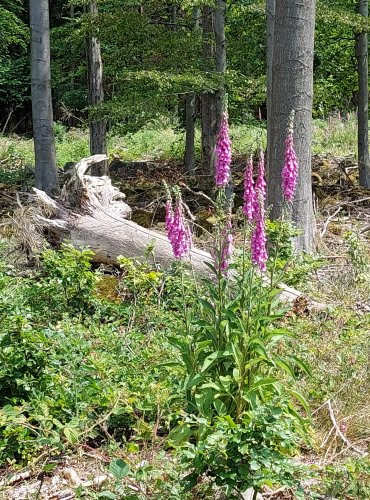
(107,494)
(263,382)
(286,367)
(254,465)
(255,361)
(301,399)
(71,434)
(211,359)
(194,380)
(204,402)
(220,407)
(10,411)
(170,364)
(119,469)
(210,266)
(206,305)
(202,345)
(180,434)
(278,333)
(302,365)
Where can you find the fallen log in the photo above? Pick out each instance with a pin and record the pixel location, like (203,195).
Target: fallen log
(91,214)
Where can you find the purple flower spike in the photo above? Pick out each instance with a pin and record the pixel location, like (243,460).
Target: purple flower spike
(290,169)
(250,198)
(178,230)
(169,217)
(261,183)
(223,154)
(258,244)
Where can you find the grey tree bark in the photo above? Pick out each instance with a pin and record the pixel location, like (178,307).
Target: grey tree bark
(98,128)
(292,89)
(270,25)
(190,117)
(190,113)
(363,99)
(214,53)
(42,109)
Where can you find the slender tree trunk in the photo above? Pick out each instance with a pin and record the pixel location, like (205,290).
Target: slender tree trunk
(220,55)
(42,108)
(292,89)
(214,52)
(207,99)
(363,100)
(190,116)
(98,128)
(191,112)
(270,25)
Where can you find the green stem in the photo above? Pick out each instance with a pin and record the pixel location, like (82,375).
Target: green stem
(272,275)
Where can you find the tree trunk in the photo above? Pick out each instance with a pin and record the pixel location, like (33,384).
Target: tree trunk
(214,52)
(190,113)
(220,55)
(207,99)
(42,108)
(190,116)
(98,128)
(270,25)
(292,89)
(363,99)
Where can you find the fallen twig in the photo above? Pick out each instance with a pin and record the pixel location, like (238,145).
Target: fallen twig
(329,219)
(197,193)
(344,203)
(340,433)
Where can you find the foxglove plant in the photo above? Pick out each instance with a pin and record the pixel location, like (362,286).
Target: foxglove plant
(261,182)
(250,197)
(290,168)
(227,245)
(227,346)
(178,230)
(223,154)
(258,243)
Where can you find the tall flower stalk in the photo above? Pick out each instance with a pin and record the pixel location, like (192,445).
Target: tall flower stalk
(261,182)
(250,197)
(178,230)
(223,154)
(227,245)
(290,168)
(258,243)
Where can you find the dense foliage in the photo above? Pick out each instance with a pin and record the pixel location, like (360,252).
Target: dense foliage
(146,80)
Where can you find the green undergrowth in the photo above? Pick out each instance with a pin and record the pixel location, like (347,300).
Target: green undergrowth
(75,367)
(91,359)
(161,142)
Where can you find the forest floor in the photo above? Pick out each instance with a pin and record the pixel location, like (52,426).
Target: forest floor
(97,362)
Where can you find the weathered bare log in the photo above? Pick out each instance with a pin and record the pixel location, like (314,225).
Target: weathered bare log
(91,214)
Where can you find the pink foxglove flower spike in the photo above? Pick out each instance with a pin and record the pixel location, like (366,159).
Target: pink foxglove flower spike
(290,169)
(223,154)
(179,233)
(258,243)
(250,198)
(261,182)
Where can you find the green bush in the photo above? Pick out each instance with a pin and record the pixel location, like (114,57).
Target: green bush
(71,363)
(251,453)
